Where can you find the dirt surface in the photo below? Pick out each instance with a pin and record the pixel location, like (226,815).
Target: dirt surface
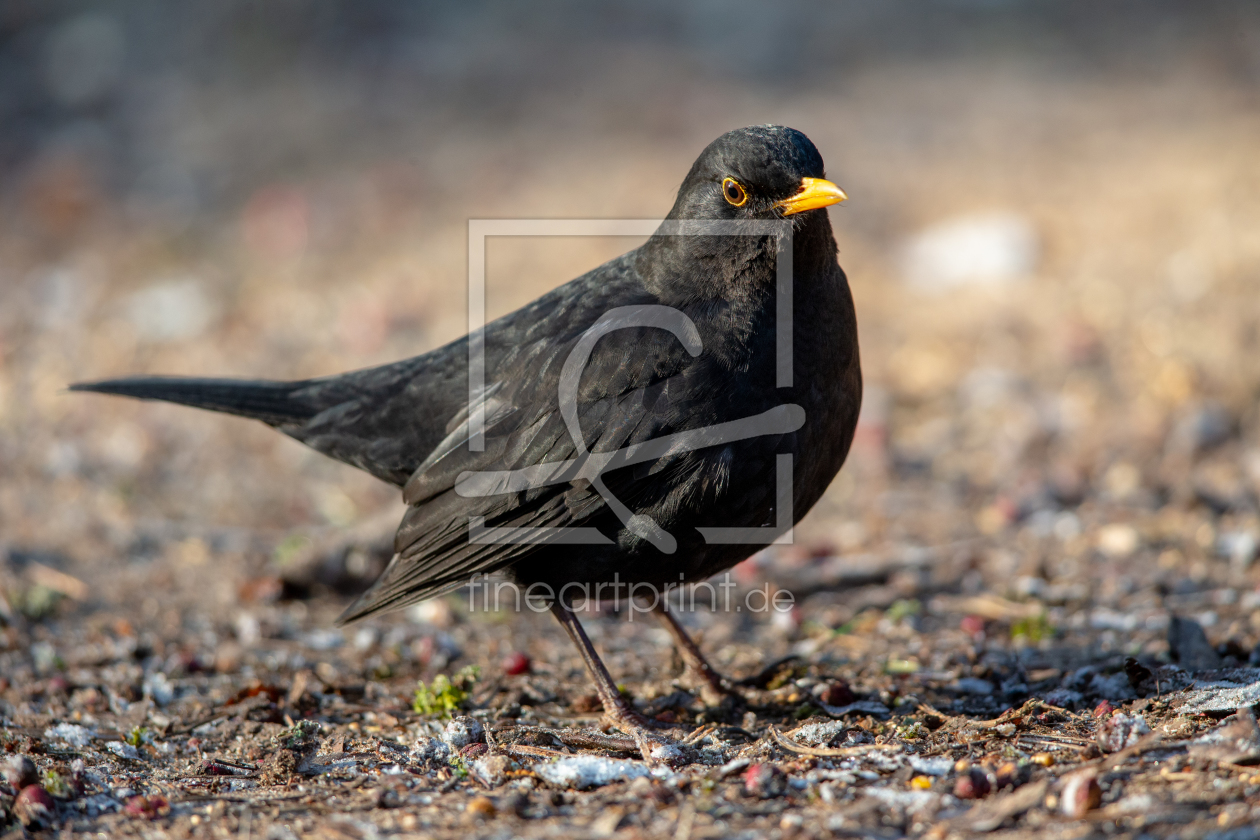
(1027,607)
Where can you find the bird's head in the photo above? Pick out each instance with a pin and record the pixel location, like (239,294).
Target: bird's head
(759,172)
(745,178)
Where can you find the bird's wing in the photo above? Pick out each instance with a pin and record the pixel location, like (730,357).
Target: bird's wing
(638,384)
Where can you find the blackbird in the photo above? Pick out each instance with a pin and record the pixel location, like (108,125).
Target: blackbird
(626,417)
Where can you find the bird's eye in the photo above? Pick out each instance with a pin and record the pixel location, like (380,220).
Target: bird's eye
(734,193)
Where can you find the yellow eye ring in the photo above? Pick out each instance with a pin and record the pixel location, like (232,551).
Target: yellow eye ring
(734,193)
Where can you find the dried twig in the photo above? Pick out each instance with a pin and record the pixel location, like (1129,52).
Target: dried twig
(1068,740)
(533,752)
(1031,707)
(828,752)
(593,740)
(577,739)
(699,734)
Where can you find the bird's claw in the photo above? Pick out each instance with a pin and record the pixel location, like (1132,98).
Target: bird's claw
(656,748)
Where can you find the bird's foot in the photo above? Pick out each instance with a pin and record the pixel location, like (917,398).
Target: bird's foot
(714,689)
(659,750)
(618,713)
(655,747)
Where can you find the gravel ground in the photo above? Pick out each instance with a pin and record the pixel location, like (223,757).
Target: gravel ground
(1027,607)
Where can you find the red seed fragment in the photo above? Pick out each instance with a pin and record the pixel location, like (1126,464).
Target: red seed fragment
(515,664)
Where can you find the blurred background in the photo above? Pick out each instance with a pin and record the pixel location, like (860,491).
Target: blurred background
(1053,238)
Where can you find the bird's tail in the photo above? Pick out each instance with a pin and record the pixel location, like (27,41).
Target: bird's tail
(275,403)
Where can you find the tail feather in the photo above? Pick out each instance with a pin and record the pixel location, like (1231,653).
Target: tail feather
(274,403)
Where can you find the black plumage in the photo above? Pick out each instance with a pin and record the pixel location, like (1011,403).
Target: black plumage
(407,422)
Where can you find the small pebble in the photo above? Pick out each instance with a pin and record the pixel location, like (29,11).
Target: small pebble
(20,771)
(668,754)
(837,694)
(974,784)
(764,781)
(1081,794)
(491,771)
(1120,730)
(641,787)
(34,806)
(1010,774)
(462,731)
(147,807)
(480,807)
(1042,758)
(791,822)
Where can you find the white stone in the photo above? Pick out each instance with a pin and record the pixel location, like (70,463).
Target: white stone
(588,771)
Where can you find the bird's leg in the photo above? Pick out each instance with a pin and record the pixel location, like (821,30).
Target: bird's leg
(617,710)
(714,688)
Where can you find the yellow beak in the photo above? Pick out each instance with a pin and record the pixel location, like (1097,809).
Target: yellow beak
(814,193)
